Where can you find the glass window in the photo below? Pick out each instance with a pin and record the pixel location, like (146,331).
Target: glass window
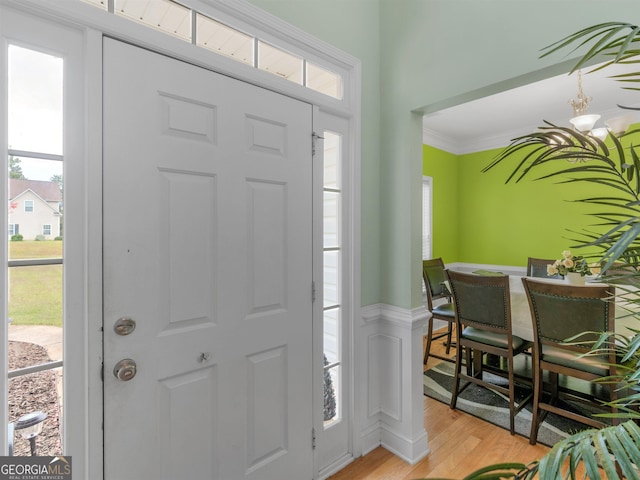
(279,62)
(426,218)
(165,15)
(332,262)
(175,19)
(324,81)
(35,271)
(35,101)
(224,40)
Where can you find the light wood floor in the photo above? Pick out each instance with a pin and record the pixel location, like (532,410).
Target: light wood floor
(459,444)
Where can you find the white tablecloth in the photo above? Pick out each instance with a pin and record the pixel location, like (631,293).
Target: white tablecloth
(522,325)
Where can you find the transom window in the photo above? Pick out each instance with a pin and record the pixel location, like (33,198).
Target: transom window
(177,20)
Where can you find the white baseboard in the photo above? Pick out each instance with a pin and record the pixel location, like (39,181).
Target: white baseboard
(410,450)
(335,467)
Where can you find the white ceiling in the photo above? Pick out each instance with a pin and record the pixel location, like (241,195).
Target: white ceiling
(493,121)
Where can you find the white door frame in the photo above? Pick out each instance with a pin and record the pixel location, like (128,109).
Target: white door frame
(83,384)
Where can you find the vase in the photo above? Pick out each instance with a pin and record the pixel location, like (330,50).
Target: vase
(574,278)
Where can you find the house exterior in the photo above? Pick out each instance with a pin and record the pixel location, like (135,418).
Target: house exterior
(34,209)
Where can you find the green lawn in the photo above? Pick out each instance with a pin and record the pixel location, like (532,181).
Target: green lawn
(35,293)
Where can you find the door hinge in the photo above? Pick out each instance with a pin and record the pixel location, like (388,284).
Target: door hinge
(314,138)
(313,292)
(313,438)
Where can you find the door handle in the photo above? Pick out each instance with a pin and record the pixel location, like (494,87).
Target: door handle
(125,369)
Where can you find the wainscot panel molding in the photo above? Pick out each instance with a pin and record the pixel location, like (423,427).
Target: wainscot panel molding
(390,361)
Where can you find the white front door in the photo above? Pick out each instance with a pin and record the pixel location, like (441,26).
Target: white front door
(207,248)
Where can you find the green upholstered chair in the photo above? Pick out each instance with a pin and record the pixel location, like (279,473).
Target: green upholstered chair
(537,267)
(434,278)
(483,322)
(560,312)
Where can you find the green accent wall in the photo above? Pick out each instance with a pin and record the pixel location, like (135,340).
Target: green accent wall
(498,223)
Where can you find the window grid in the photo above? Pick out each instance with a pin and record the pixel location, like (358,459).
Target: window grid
(29,270)
(332,253)
(191,26)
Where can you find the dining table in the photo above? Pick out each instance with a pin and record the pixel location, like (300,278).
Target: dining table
(522,324)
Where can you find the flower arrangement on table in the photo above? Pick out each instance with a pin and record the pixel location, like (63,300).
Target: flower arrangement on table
(569,263)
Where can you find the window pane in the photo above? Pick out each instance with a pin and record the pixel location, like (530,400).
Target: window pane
(331,336)
(332,396)
(331,272)
(426,218)
(331,219)
(35,101)
(163,15)
(332,349)
(35,293)
(279,62)
(35,338)
(332,160)
(324,81)
(98,3)
(224,40)
(35,199)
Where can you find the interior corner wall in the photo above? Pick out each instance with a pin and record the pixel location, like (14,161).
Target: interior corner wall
(499,223)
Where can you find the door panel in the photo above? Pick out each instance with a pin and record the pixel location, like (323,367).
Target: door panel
(207,247)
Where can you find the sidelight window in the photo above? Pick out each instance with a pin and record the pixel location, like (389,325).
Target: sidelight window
(34,266)
(332,266)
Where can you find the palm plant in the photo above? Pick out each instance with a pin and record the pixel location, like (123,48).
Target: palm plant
(569,156)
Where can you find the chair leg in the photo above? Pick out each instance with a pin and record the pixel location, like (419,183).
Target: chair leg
(468,361)
(456,377)
(512,395)
(429,335)
(537,392)
(449,331)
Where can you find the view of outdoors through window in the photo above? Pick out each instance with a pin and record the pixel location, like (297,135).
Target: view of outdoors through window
(331,270)
(35,271)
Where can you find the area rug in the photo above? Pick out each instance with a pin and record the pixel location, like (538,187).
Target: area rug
(494,408)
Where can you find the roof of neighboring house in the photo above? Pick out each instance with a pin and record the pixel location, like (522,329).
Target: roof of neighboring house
(48,191)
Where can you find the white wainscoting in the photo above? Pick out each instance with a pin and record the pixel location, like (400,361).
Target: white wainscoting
(391,363)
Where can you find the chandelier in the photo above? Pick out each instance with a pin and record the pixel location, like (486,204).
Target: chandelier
(585,122)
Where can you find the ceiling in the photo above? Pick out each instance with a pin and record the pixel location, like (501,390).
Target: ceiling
(493,121)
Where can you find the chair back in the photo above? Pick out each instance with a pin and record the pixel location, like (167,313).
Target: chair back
(481,301)
(560,311)
(434,278)
(537,267)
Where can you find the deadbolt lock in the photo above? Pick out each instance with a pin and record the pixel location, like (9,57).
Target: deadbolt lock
(124,326)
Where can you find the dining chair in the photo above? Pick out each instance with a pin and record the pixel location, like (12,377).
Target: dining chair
(483,325)
(537,267)
(560,312)
(434,283)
